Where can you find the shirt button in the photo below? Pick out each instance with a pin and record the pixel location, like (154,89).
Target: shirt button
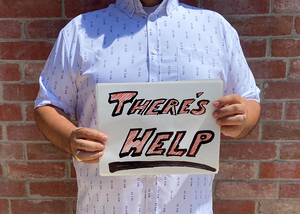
(154,52)
(152,19)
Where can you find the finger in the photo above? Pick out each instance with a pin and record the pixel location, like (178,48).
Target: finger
(91,134)
(87,145)
(235,120)
(228,100)
(91,157)
(229,110)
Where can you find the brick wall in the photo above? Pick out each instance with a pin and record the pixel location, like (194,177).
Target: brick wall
(258,174)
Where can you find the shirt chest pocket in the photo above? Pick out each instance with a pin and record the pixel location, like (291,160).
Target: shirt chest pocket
(197,64)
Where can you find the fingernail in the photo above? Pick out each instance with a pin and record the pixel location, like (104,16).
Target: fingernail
(215,114)
(216,103)
(219,122)
(104,138)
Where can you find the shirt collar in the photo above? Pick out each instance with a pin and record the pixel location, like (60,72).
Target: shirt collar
(129,7)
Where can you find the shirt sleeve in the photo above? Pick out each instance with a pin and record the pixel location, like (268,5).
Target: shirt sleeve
(240,79)
(57,85)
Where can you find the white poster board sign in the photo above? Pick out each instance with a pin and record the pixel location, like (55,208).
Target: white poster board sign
(159,128)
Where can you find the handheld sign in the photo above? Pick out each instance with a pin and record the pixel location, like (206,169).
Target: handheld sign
(159,128)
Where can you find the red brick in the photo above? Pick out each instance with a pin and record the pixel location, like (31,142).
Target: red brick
(281,131)
(271,111)
(11,151)
(254,48)
(289,190)
(4,207)
(292,111)
(286,6)
(12,189)
(1,172)
(12,29)
(295,69)
(247,190)
(32,71)
(10,112)
(236,170)
(285,48)
(253,135)
(25,50)
(43,29)
(263,26)
(274,90)
(190,2)
(247,151)
(74,206)
(36,170)
(30,112)
(24,133)
(9,72)
(297,25)
(268,69)
(233,207)
(30,9)
(20,92)
(39,206)
(43,151)
(290,151)
(74,8)
(228,7)
(54,189)
(279,207)
(280,170)
(0,132)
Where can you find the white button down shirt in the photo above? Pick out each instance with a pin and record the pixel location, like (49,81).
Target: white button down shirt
(122,43)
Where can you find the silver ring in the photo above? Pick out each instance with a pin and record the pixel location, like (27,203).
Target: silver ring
(75,156)
(243,120)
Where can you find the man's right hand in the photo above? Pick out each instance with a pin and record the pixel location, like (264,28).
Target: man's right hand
(88,144)
(57,127)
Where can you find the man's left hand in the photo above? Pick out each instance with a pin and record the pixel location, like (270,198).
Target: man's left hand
(236,115)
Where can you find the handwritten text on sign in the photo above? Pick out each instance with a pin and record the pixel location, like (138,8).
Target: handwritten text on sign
(157,128)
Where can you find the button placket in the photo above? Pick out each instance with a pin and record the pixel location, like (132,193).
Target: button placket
(152,49)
